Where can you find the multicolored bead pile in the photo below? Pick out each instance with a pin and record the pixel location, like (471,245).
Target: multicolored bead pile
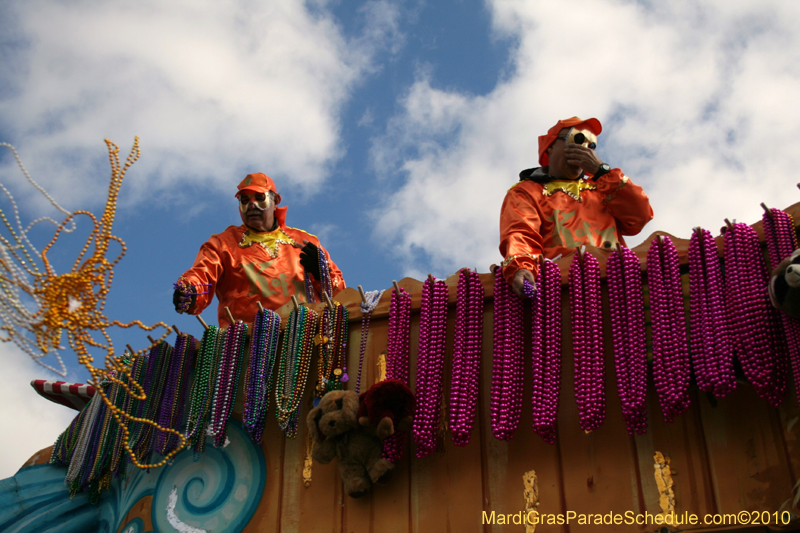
(263,347)
(227,382)
(295,363)
(332,341)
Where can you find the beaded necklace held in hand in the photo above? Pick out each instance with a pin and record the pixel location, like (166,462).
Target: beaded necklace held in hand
(397,351)
(546,351)
(781,240)
(371,299)
(227,380)
(755,324)
(466,356)
(430,363)
(298,345)
(626,306)
(325,284)
(587,340)
(709,343)
(203,388)
(507,364)
(263,347)
(671,371)
(332,341)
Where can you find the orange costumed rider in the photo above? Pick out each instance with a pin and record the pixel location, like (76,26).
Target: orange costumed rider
(263,260)
(573,199)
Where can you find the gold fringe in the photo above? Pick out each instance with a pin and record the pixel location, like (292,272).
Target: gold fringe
(663,475)
(530,497)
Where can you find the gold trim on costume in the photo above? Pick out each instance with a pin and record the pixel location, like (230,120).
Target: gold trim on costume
(571,188)
(621,185)
(268,241)
(510,258)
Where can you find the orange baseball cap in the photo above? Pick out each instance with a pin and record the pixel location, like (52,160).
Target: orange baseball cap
(592,124)
(258,182)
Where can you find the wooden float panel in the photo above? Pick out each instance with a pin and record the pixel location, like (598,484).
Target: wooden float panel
(729,455)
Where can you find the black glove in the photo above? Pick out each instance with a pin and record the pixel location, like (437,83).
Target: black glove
(309,259)
(178,301)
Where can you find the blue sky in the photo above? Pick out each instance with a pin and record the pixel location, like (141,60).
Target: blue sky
(392,128)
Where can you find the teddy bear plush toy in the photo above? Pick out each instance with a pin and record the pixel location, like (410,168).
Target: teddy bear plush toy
(784,285)
(334,426)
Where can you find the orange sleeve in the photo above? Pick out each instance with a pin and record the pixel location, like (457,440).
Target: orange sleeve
(626,202)
(520,239)
(204,274)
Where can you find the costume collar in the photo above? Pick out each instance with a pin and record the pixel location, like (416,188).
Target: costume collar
(270,240)
(571,188)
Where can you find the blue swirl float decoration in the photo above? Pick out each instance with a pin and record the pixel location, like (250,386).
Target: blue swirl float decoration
(220,491)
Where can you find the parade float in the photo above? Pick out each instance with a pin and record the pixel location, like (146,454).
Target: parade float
(630,386)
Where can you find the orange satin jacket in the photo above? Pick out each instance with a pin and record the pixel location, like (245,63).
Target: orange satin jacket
(242,272)
(555,217)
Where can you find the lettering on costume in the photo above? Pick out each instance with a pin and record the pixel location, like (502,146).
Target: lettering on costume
(561,234)
(259,282)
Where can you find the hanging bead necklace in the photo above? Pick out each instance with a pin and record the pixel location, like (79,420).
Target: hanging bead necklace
(430,363)
(227,380)
(203,388)
(171,409)
(781,240)
(671,370)
(626,305)
(466,356)
(709,342)
(507,363)
(759,346)
(370,302)
(587,340)
(397,351)
(546,351)
(294,366)
(263,347)
(332,342)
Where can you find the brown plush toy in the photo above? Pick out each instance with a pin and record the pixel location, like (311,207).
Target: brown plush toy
(387,406)
(784,285)
(335,429)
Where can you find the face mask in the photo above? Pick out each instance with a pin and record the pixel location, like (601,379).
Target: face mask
(584,137)
(245,199)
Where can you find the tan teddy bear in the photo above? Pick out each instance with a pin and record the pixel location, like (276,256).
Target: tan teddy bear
(334,426)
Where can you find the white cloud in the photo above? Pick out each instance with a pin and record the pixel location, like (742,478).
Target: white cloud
(213,89)
(31,423)
(698,101)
